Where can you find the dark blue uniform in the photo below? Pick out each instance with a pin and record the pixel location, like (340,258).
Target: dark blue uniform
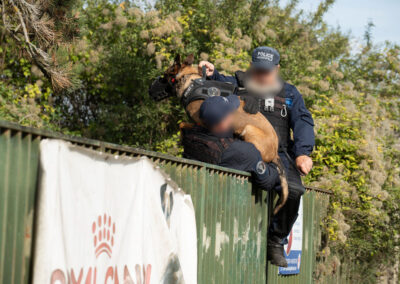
(301,121)
(289,113)
(244,156)
(223,150)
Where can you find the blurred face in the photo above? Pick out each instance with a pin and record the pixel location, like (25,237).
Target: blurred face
(265,78)
(224,126)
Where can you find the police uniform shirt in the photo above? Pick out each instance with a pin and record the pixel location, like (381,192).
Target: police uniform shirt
(301,121)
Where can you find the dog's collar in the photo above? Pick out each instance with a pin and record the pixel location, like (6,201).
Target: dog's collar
(172,81)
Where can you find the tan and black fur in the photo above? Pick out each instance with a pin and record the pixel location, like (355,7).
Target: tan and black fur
(253,128)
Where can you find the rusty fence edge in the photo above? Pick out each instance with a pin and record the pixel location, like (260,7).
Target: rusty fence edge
(104,146)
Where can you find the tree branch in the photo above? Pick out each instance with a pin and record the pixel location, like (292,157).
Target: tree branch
(28,13)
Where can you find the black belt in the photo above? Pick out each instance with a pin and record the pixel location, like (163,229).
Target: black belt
(293,163)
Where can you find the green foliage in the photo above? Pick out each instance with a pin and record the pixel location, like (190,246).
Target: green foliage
(357,154)
(354,99)
(24,96)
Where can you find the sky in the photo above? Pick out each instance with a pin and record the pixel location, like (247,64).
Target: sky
(353,15)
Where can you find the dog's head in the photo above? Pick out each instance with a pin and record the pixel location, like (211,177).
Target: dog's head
(180,74)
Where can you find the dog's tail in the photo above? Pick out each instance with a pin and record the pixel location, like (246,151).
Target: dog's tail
(284,184)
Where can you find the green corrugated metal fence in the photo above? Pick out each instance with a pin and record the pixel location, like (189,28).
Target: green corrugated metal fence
(231,216)
(314,204)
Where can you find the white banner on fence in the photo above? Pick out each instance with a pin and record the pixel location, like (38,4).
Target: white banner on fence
(108,219)
(294,246)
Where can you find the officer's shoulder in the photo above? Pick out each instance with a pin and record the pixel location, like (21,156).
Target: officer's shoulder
(291,89)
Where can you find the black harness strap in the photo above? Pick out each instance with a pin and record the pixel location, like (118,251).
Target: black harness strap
(201,89)
(204,72)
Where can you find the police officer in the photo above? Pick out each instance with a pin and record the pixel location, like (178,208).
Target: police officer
(282,104)
(216,144)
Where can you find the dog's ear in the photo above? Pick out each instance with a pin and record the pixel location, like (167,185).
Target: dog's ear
(175,67)
(177,60)
(189,60)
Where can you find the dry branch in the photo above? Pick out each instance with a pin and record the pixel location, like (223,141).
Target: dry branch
(34,31)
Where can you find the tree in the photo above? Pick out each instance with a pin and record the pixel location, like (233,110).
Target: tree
(35,28)
(353,97)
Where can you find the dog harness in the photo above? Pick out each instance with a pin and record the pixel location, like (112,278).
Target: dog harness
(201,89)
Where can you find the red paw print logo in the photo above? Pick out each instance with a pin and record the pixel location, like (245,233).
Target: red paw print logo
(103,230)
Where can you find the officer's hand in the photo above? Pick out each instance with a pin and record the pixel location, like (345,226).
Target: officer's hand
(251,104)
(304,164)
(209,67)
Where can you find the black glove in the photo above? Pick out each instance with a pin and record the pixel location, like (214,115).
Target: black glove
(160,89)
(251,105)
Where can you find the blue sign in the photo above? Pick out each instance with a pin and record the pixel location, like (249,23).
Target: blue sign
(294,246)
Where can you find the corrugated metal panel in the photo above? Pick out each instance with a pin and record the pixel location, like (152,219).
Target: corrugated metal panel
(314,209)
(18,176)
(230,223)
(231,216)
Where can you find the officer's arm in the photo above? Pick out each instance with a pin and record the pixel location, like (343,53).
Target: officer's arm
(222,78)
(245,157)
(302,125)
(265,175)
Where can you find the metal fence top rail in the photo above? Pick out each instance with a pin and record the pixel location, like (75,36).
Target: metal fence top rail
(106,146)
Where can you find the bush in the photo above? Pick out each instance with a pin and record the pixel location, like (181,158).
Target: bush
(354,99)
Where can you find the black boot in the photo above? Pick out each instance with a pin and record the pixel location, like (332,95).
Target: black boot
(275,254)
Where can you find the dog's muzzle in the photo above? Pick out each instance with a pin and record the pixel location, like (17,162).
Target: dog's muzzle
(161,89)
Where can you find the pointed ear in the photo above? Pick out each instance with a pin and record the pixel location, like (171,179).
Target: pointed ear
(189,60)
(177,60)
(175,67)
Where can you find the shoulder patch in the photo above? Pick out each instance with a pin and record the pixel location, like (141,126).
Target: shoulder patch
(289,102)
(261,167)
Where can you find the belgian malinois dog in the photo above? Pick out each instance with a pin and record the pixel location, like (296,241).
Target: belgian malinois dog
(253,128)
